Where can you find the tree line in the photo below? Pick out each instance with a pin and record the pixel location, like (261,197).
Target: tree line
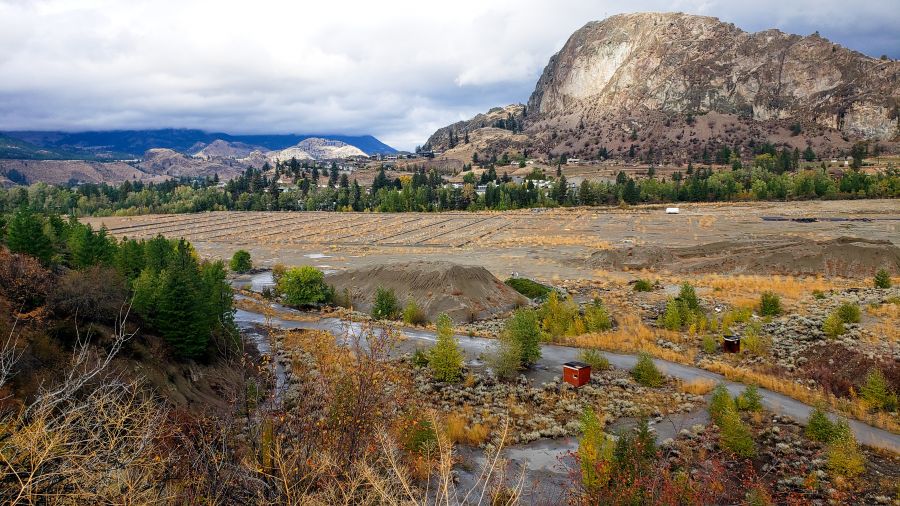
(769,178)
(185,300)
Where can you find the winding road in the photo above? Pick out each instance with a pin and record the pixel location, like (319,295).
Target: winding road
(553,356)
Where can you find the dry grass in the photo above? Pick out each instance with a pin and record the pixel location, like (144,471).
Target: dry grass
(886,328)
(697,386)
(745,290)
(853,408)
(460,431)
(633,335)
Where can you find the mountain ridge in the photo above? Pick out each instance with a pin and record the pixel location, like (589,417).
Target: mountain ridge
(670,86)
(123,144)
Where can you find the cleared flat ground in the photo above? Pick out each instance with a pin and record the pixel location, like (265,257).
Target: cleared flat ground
(546,244)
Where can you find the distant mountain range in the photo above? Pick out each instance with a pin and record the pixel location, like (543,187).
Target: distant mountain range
(126,144)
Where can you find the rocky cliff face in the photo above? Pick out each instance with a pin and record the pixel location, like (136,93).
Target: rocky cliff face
(684,64)
(671,86)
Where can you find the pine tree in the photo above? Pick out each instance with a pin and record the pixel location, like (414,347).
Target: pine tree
(445,360)
(182,316)
(25,234)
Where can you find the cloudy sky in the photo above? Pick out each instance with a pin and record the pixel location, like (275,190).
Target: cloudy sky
(396,69)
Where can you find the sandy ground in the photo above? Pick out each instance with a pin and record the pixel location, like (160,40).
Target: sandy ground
(541,243)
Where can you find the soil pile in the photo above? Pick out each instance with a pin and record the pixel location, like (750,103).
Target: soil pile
(845,256)
(463,292)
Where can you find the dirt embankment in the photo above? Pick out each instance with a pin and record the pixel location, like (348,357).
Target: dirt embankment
(463,292)
(845,256)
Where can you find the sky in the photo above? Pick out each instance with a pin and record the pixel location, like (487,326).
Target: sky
(395,69)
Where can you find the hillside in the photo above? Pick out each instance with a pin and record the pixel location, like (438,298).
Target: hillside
(13,148)
(672,85)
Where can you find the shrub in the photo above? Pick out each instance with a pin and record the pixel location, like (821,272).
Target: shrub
(561,317)
(413,314)
(420,358)
(304,286)
(643,285)
(278,271)
(882,279)
(445,359)
(720,403)
(528,288)
(877,391)
(769,304)
(671,319)
(595,452)
(819,427)
(735,435)
(709,344)
(506,358)
(749,399)
(596,317)
(420,436)
(522,328)
(646,373)
(818,294)
(753,343)
(688,296)
(833,326)
(849,313)
(385,305)
(845,459)
(240,261)
(595,359)
(634,454)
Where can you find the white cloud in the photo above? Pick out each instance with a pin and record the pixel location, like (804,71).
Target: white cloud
(395,69)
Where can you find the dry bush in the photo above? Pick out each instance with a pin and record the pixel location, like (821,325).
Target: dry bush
(23,280)
(96,293)
(88,439)
(459,430)
(697,386)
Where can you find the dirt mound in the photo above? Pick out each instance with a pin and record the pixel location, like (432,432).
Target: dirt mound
(463,292)
(845,256)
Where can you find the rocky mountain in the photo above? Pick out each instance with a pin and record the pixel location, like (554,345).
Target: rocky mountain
(317,149)
(167,162)
(671,85)
(224,149)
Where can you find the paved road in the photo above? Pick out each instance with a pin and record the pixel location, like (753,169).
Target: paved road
(552,356)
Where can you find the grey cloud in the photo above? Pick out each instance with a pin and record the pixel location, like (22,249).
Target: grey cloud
(395,69)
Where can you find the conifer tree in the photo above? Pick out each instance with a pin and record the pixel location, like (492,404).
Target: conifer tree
(25,234)
(446,360)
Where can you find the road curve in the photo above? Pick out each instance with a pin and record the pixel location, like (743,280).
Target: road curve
(553,356)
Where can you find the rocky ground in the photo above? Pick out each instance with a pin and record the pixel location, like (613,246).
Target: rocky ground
(551,410)
(794,468)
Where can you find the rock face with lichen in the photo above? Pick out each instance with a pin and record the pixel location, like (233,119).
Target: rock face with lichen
(685,64)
